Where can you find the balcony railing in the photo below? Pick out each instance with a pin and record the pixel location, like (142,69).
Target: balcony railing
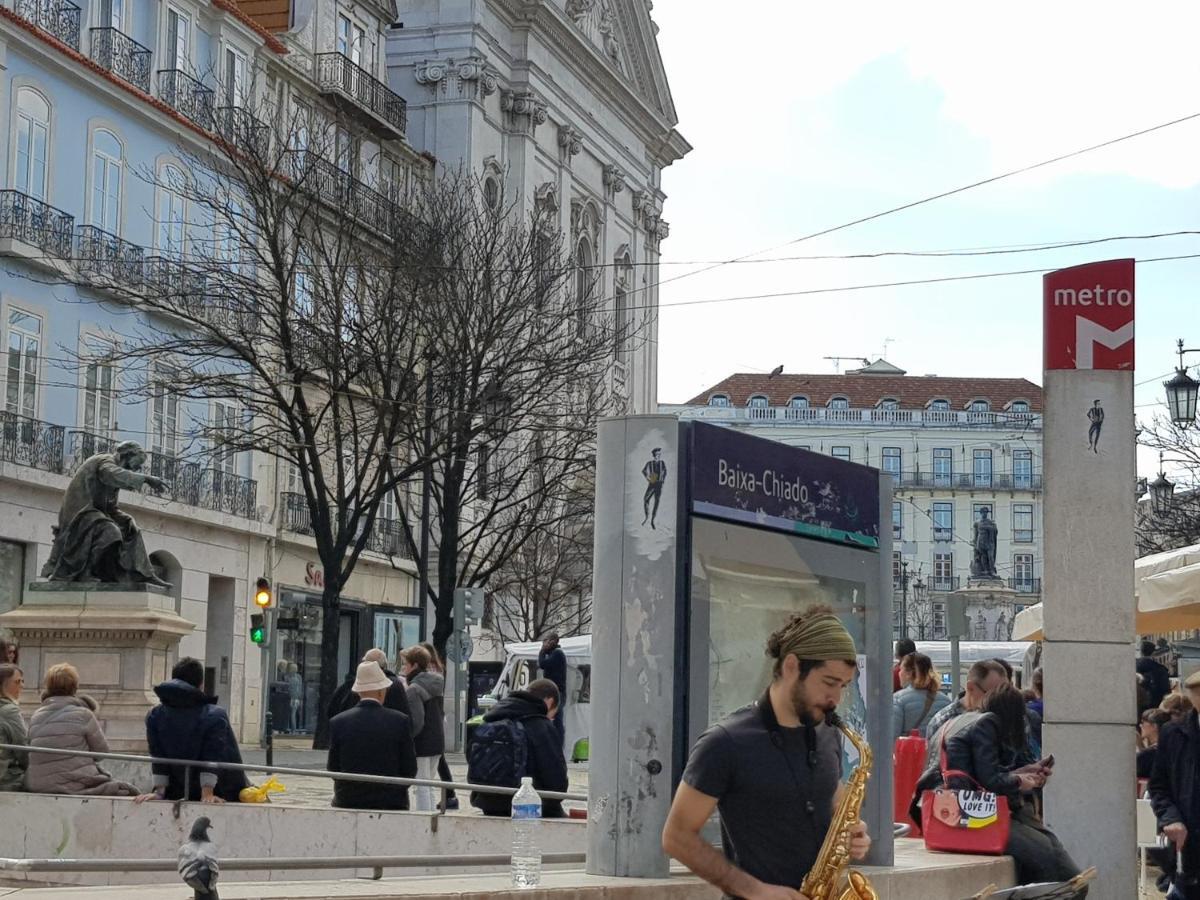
(342,191)
(296,515)
(30,442)
(238,126)
(107,256)
(944,584)
(121,55)
(22,218)
(83,445)
(341,78)
(387,537)
(1026,585)
(59,17)
(968,481)
(186,96)
(225,492)
(860,417)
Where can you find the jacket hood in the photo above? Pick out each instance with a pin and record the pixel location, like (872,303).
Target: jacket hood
(517,705)
(433,683)
(179,693)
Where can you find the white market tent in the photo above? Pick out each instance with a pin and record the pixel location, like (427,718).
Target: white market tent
(1167,590)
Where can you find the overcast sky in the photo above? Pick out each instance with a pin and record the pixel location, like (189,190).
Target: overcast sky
(804,116)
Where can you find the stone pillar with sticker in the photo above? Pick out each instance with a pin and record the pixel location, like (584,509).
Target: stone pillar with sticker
(1089,607)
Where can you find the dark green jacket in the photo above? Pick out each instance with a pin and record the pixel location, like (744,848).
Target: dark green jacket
(13,763)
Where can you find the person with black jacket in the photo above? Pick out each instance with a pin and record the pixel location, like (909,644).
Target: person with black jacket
(1175,789)
(553,663)
(989,753)
(345,698)
(188,724)
(371,739)
(1155,677)
(535,708)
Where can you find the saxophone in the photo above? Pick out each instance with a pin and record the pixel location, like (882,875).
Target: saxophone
(824,880)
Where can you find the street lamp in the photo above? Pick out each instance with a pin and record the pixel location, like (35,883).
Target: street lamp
(1161,491)
(1182,391)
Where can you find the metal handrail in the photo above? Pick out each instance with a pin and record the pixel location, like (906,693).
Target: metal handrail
(286,770)
(265,863)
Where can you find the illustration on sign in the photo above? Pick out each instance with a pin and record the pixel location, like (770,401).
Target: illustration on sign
(655,473)
(651,458)
(1096,417)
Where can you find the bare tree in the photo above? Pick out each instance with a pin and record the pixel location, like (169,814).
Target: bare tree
(522,365)
(1175,523)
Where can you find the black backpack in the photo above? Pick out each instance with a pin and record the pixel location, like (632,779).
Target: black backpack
(499,754)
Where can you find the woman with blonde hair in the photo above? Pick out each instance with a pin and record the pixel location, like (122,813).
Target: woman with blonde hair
(915,703)
(438,665)
(67,721)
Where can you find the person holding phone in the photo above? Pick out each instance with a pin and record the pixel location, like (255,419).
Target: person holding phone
(1175,790)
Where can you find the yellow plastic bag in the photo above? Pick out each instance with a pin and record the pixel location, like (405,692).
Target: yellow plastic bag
(261,793)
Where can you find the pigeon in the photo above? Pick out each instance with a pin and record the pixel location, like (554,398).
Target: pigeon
(198,861)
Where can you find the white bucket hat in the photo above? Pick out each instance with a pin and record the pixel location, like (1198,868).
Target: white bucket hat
(370,678)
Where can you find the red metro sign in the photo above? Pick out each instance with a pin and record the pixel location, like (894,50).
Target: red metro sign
(1088,314)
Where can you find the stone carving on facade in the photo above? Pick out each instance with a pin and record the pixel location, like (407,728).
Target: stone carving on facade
(570,141)
(525,109)
(472,78)
(614,180)
(579,9)
(585,221)
(643,207)
(545,197)
(596,20)
(608,36)
(657,230)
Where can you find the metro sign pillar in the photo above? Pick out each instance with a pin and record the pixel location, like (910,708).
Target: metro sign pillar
(1089,469)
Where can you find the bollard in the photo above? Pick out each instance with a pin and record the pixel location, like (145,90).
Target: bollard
(269,735)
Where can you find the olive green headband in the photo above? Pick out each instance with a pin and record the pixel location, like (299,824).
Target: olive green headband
(817,637)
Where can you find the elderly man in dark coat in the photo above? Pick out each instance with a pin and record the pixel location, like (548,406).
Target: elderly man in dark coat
(94,539)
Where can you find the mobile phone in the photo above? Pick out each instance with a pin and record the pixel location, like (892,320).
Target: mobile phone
(1047,762)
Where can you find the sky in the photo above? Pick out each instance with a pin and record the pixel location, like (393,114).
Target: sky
(807,116)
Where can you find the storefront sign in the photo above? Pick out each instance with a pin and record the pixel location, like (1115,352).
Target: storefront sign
(749,479)
(314,575)
(1088,316)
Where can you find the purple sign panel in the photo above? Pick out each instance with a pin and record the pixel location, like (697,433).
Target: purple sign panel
(748,479)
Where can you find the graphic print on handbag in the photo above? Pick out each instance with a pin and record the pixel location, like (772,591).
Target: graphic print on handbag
(964,821)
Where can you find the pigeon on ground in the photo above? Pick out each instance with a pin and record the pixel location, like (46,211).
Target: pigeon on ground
(198,861)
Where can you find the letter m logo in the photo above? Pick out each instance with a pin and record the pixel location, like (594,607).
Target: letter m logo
(1088,334)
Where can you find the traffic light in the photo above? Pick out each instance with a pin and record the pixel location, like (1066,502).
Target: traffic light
(468,606)
(262,593)
(258,629)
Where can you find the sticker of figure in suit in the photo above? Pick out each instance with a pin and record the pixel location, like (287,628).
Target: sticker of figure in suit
(655,473)
(1096,417)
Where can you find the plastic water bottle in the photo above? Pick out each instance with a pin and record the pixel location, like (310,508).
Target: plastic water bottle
(526,824)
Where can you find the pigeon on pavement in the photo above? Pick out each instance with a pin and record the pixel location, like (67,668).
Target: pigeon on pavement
(198,861)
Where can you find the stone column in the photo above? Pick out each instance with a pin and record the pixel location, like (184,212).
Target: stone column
(1088,661)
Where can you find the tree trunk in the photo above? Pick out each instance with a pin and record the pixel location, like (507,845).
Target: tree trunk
(331,603)
(443,607)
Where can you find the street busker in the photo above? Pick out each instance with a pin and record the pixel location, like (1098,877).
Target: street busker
(1175,793)
(188,724)
(371,739)
(427,708)
(772,769)
(518,739)
(991,753)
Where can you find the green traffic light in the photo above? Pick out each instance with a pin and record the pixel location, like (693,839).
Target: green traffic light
(257,635)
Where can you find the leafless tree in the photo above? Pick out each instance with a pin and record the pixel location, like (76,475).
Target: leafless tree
(1176,523)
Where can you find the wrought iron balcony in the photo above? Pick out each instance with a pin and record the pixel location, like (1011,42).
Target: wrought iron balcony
(387,538)
(342,191)
(968,481)
(83,445)
(355,89)
(225,492)
(296,514)
(1026,585)
(30,442)
(238,126)
(176,284)
(22,218)
(186,96)
(121,55)
(107,256)
(944,584)
(59,17)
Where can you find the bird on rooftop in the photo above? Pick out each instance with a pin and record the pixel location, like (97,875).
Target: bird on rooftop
(198,861)
(778,370)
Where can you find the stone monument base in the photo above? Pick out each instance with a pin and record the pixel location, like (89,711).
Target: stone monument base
(123,639)
(991,608)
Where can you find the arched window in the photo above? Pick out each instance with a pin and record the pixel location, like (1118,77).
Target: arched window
(980,406)
(889,403)
(939,405)
(623,278)
(33,142)
(107,165)
(1019,406)
(169,217)
(798,403)
(720,400)
(758,401)
(583,283)
(839,403)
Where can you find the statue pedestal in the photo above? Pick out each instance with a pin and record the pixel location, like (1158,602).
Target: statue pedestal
(991,607)
(121,638)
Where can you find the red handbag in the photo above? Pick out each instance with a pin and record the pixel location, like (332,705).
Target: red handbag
(975,821)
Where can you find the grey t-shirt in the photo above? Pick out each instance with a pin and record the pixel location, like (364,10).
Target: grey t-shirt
(775,808)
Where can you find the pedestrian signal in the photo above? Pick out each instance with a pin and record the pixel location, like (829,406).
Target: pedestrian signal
(258,629)
(262,593)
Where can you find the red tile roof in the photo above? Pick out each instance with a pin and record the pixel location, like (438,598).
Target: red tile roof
(865,391)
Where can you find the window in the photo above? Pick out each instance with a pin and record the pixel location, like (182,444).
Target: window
(897,520)
(224,434)
(1022,468)
(798,403)
(106,181)
(943,520)
(719,400)
(169,225)
(939,405)
(620,323)
(889,403)
(758,401)
(298,137)
(302,285)
(943,571)
(392,183)
(943,466)
(1022,514)
(1023,573)
(229,239)
(841,453)
(897,569)
(350,40)
(112,14)
(387,508)
(982,468)
(980,406)
(179,37)
(584,280)
(98,405)
(24,348)
(839,403)
(234,87)
(345,151)
(892,461)
(33,140)
(164,417)
(1019,406)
